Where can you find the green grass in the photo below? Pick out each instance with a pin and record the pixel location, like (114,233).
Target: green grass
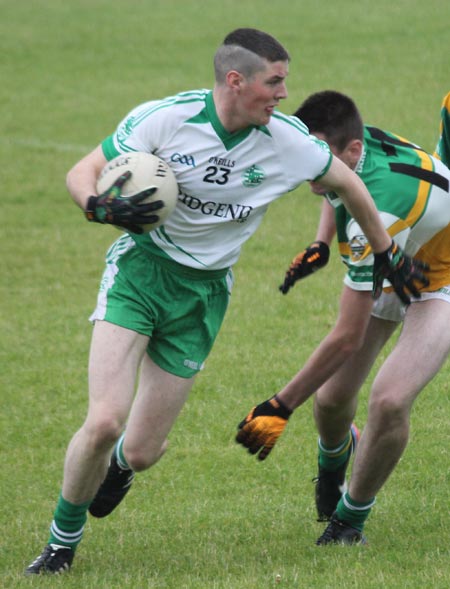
(208,516)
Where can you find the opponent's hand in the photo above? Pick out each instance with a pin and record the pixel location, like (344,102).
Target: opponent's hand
(312,258)
(402,271)
(126,212)
(263,426)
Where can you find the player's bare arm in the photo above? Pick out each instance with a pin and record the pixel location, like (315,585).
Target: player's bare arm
(82,178)
(262,427)
(343,340)
(326,229)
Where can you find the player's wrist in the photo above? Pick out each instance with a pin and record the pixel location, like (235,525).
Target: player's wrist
(385,251)
(90,211)
(282,409)
(386,254)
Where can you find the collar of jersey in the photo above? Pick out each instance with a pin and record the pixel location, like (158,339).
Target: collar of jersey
(229,140)
(360,165)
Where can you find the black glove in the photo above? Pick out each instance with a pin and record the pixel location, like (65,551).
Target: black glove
(123,211)
(400,270)
(312,258)
(263,426)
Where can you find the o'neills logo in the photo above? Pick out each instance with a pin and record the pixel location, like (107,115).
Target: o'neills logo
(234,212)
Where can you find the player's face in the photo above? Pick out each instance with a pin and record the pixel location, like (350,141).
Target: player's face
(261,93)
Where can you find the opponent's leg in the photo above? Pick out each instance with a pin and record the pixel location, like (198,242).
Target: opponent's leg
(422,348)
(334,409)
(336,401)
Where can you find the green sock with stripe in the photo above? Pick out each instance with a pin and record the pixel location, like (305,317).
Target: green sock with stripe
(332,458)
(68,523)
(354,512)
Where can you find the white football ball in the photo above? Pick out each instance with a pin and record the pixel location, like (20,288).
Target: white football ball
(146,170)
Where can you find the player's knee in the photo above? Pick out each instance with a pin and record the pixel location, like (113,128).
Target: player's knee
(141,458)
(389,410)
(352,342)
(327,404)
(348,339)
(333,401)
(103,432)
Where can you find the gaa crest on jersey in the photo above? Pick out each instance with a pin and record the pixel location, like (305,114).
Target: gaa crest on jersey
(358,245)
(253,176)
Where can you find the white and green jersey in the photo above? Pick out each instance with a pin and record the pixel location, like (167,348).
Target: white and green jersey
(226,181)
(411,192)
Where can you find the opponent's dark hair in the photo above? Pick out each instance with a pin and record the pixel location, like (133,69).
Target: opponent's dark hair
(333,114)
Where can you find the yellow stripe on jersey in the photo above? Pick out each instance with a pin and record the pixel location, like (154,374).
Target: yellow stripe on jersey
(415,213)
(418,209)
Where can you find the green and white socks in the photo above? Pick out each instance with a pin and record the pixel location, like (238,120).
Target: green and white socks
(69,519)
(332,458)
(121,460)
(68,522)
(354,512)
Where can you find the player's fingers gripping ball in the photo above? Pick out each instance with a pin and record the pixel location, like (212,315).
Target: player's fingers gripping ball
(137,192)
(112,208)
(312,258)
(262,427)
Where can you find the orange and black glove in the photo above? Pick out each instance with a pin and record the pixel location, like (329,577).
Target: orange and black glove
(312,258)
(263,426)
(402,271)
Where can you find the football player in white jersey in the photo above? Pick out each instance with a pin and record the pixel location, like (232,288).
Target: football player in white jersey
(164,294)
(411,190)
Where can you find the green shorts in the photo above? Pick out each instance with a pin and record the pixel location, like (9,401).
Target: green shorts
(181,309)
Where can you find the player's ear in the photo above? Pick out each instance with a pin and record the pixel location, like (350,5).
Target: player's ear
(234,79)
(354,151)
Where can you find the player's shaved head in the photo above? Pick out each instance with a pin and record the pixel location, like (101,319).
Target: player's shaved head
(246,51)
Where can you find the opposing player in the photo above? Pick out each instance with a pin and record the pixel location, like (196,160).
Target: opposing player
(164,295)
(443,146)
(411,191)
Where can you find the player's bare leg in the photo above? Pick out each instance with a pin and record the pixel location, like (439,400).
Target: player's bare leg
(334,410)
(421,350)
(335,402)
(115,356)
(159,399)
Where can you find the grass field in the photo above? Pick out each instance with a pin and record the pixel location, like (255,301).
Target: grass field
(208,516)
